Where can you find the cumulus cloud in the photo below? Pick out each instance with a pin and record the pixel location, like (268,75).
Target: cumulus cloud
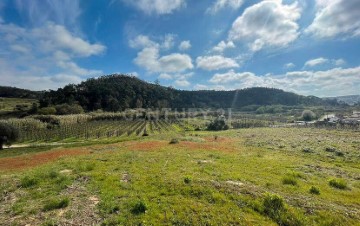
(55,36)
(222,46)
(165,76)
(216,62)
(150,59)
(142,41)
(185,45)
(168,41)
(43,57)
(333,82)
(182,83)
(157,6)
(269,23)
(335,18)
(221,4)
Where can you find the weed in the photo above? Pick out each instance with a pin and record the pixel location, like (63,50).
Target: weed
(289,180)
(273,205)
(314,190)
(338,183)
(187,180)
(27,182)
(53,204)
(174,141)
(139,208)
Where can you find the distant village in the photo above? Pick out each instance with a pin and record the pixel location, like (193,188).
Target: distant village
(346,119)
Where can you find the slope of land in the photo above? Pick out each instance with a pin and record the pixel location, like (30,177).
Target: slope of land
(263,176)
(119,92)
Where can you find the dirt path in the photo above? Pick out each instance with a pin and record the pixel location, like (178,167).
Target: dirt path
(23,162)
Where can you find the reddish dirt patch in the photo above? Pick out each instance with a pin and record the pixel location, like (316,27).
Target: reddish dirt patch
(23,162)
(147,146)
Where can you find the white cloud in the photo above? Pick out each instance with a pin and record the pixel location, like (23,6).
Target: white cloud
(316,62)
(149,59)
(165,76)
(321,61)
(333,82)
(157,6)
(182,83)
(168,41)
(267,24)
(142,41)
(54,37)
(44,57)
(336,17)
(201,87)
(222,46)
(185,45)
(221,4)
(289,65)
(216,62)
(38,12)
(339,62)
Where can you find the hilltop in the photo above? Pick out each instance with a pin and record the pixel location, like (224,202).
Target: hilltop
(118,92)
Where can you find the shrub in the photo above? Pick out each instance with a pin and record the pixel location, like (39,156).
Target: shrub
(218,124)
(290,180)
(27,182)
(56,204)
(139,208)
(8,134)
(314,190)
(187,180)
(66,109)
(47,111)
(308,115)
(174,141)
(273,206)
(338,183)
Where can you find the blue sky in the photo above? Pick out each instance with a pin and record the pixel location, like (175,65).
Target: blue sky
(309,47)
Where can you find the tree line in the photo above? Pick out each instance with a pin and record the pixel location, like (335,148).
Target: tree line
(118,92)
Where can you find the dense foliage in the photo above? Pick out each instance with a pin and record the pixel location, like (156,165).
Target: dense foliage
(118,92)
(8,134)
(18,93)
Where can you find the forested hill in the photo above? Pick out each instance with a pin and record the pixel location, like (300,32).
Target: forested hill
(13,92)
(118,92)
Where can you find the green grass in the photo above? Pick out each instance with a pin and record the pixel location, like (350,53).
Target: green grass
(338,183)
(53,204)
(235,180)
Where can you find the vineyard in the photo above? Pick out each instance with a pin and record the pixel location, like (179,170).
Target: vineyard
(87,127)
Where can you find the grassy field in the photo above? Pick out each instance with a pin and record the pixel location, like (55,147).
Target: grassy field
(10,107)
(263,176)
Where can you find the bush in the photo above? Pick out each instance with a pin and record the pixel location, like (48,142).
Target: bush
(308,115)
(8,134)
(338,183)
(47,111)
(187,180)
(290,180)
(139,208)
(56,204)
(27,182)
(273,206)
(174,141)
(218,124)
(66,109)
(314,190)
